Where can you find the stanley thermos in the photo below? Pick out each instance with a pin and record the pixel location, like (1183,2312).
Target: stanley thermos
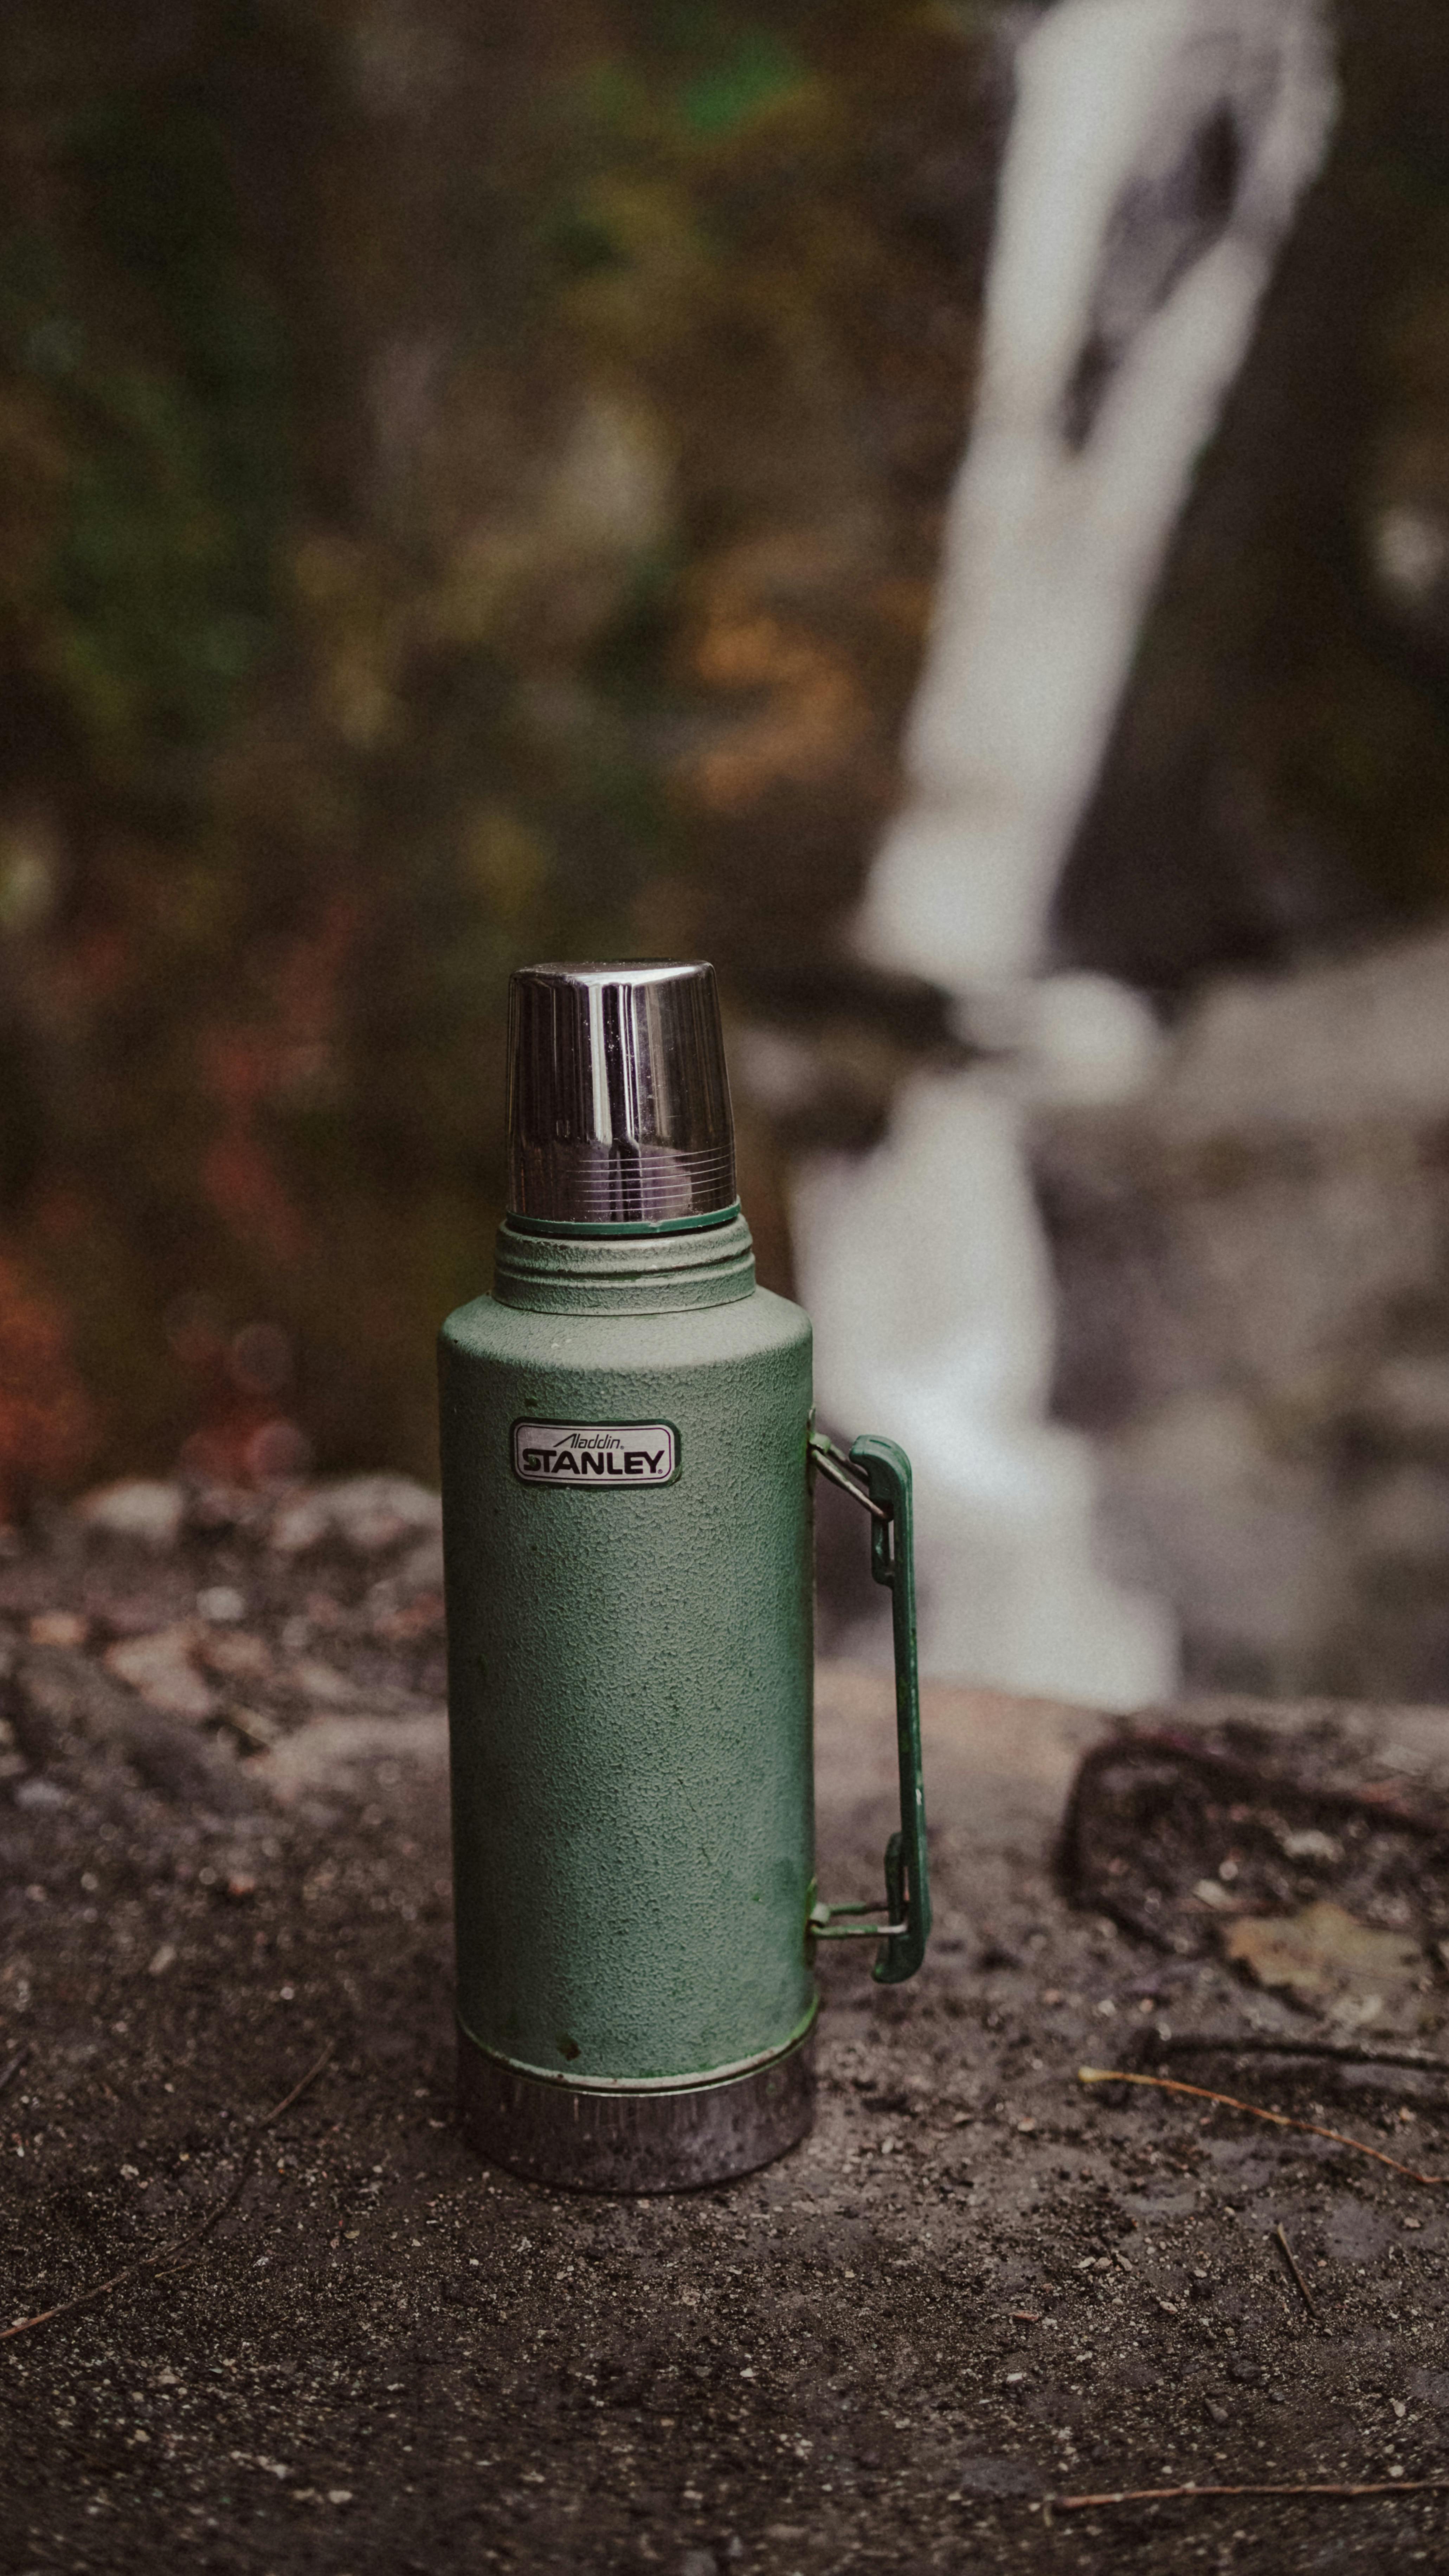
(628,1466)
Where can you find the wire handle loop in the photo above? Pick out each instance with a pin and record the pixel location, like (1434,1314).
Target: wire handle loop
(878,1474)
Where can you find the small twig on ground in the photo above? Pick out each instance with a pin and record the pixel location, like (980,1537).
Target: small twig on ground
(177,2246)
(1255,2111)
(1291,2259)
(1171,2495)
(11,2069)
(1339,2052)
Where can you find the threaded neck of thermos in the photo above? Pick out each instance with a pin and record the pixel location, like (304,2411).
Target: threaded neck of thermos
(618,1098)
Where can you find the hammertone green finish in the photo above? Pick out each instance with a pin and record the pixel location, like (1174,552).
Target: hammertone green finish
(631,1667)
(623,1273)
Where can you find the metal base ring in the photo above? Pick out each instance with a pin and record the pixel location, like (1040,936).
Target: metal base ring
(660,2140)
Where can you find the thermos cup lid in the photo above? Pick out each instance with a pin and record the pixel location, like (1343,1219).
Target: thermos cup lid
(618,1099)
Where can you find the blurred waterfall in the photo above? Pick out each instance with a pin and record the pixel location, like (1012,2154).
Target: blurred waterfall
(1157,152)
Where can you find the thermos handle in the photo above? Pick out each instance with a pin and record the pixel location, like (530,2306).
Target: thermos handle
(878,1474)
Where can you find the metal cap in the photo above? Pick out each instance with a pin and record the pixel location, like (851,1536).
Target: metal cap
(618,1099)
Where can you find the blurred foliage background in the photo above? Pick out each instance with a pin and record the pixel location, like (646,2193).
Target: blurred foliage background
(470,483)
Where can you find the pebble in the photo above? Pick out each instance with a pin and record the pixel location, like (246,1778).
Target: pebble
(37,1792)
(238,1655)
(323,1683)
(138,1508)
(58,1628)
(160,1668)
(368,1514)
(221,1603)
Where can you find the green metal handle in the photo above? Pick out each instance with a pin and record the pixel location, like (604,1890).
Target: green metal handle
(881,1479)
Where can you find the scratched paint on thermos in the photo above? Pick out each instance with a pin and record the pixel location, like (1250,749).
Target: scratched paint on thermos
(628,1465)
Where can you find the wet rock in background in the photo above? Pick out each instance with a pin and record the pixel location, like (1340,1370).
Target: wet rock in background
(1255,1325)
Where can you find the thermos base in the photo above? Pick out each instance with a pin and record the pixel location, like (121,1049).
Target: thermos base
(656,2139)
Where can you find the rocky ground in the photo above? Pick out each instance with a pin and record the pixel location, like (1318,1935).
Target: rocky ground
(977,2288)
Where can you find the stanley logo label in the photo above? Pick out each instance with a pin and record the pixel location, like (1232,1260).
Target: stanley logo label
(595,1457)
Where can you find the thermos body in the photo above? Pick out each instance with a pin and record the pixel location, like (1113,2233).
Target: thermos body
(628,1460)
(630,1683)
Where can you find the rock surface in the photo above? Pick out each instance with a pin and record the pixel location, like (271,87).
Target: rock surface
(1251,1270)
(976,2284)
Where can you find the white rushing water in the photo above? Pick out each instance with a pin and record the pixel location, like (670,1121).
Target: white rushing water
(1157,151)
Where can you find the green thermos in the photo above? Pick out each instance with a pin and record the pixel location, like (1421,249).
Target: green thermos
(628,1466)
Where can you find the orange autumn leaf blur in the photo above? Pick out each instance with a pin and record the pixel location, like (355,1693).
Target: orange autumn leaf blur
(47,1422)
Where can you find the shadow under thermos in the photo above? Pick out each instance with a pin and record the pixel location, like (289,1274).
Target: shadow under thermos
(628,1467)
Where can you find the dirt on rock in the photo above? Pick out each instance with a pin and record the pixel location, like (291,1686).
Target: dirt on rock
(977,2287)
